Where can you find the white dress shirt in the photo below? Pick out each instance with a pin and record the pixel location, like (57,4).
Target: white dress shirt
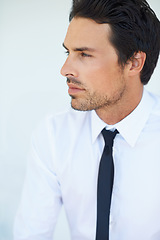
(63,168)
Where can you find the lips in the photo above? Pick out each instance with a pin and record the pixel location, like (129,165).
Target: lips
(74,89)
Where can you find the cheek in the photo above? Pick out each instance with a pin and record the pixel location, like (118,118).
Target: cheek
(97,74)
(104,69)
(101,75)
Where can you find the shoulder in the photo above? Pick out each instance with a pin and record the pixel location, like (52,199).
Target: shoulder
(58,133)
(70,119)
(60,124)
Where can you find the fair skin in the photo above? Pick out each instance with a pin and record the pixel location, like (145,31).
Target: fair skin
(95,78)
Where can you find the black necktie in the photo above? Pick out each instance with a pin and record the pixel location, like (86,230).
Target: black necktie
(104,187)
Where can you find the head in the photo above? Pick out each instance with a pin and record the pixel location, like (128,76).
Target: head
(134,28)
(113,48)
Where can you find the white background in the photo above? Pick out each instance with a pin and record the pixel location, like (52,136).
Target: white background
(31,55)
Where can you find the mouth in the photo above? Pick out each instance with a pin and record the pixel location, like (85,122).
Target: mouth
(74,89)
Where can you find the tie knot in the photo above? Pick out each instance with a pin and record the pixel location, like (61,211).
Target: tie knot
(109,136)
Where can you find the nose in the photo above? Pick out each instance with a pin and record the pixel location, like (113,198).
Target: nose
(68,68)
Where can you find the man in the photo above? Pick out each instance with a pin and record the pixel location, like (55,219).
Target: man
(113,48)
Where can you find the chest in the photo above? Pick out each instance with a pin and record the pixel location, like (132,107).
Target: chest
(136,192)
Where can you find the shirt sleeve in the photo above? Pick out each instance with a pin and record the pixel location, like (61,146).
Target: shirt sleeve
(41,198)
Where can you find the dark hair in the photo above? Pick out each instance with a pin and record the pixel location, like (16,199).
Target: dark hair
(134,26)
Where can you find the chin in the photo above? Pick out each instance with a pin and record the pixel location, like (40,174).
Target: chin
(79,106)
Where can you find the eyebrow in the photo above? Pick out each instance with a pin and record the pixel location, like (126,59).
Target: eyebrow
(81,49)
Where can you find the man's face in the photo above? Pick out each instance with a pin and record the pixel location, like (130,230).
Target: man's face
(94,77)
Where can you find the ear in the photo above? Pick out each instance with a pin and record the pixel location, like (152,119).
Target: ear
(136,63)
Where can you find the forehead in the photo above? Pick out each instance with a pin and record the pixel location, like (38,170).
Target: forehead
(87,32)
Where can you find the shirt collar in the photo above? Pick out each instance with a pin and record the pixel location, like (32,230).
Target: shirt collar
(97,125)
(131,126)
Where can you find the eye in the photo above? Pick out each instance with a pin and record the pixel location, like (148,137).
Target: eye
(85,54)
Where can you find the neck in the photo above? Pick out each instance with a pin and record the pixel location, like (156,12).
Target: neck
(115,113)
